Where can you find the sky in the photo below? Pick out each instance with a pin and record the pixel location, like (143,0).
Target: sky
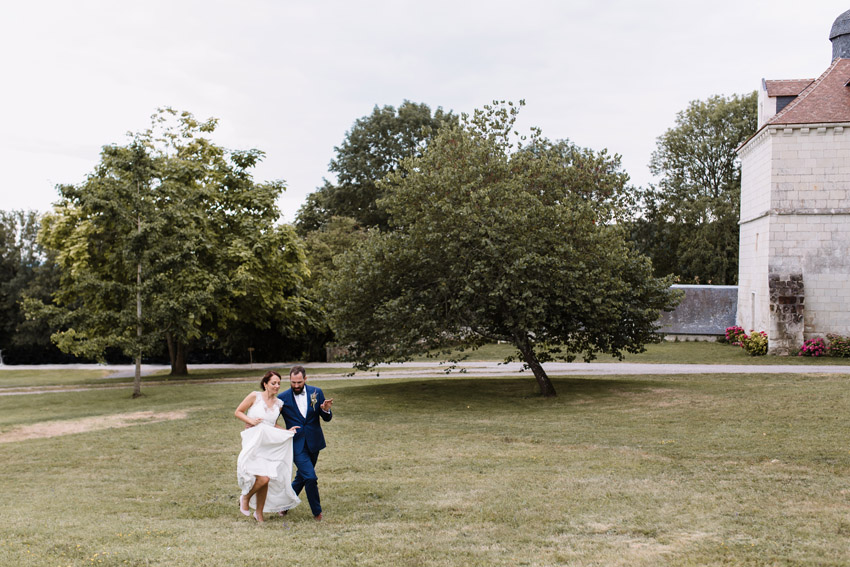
(290,77)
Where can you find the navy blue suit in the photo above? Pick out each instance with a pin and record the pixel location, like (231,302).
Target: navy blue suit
(308,441)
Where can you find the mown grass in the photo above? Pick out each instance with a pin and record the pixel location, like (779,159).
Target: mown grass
(692,352)
(666,352)
(245,372)
(12,378)
(672,470)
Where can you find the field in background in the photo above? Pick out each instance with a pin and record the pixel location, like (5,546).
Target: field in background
(664,353)
(670,352)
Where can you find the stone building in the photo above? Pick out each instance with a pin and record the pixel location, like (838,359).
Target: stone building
(794,275)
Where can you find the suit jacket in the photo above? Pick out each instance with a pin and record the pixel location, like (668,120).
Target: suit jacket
(309,437)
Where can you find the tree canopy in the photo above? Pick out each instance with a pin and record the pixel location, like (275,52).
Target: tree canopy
(171,239)
(371,150)
(690,221)
(492,238)
(25,270)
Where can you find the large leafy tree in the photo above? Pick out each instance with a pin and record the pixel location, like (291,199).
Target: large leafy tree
(25,270)
(339,213)
(491,240)
(322,247)
(170,239)
(15,259)
(371,150)
(689,224)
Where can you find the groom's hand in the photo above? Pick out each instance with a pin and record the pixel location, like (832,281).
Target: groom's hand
(326,405)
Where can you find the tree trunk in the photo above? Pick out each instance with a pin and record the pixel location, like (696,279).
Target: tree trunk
(137,379)
(178,363)
(177,356)
(522,342)
(169,340)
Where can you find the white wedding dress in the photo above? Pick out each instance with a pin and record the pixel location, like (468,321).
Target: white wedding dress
(267,451)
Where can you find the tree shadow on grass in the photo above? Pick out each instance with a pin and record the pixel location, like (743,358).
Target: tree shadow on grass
(452,392)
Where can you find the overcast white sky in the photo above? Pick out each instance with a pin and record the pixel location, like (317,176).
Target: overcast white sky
(289,77)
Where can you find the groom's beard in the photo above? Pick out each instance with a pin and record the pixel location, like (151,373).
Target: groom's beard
(298,391)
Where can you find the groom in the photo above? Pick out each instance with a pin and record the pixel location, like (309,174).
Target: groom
(303,405)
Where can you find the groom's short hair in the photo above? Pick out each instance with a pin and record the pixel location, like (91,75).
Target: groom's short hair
(298,370)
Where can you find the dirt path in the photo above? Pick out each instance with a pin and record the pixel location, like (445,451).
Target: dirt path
(82,425)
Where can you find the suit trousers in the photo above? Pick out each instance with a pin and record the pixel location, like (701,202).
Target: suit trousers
(306,478)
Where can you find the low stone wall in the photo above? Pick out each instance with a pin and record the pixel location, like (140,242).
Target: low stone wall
(704,312)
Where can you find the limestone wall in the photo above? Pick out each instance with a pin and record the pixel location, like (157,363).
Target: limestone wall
(756,172)
(753,306)
(811,168)
(817,246)
(794,278)
(810,231)
(766,107)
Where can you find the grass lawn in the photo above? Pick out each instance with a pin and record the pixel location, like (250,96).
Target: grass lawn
(664,353)
(672,470)
(12,378)
(670,352)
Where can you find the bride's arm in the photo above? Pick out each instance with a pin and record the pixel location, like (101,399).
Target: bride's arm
(243,407)
(292,429)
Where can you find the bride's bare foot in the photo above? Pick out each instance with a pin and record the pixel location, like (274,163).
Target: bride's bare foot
(242,508)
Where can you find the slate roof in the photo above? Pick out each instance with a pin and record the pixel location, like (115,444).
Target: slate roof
(840,26)
(825,100)
(786,87)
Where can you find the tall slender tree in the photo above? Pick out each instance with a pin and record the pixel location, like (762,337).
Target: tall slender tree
(170,239)
(689,224)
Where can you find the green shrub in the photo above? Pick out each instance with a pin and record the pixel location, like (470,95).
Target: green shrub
(839,346)
(755,344)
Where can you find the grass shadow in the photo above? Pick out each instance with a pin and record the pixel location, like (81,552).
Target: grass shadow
(451,392)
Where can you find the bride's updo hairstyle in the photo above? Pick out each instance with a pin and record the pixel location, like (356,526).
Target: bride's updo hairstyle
(266,377)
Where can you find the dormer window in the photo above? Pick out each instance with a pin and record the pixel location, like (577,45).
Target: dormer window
(782,102)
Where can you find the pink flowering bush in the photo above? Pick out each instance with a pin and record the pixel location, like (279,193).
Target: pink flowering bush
(813,347)
(734,334)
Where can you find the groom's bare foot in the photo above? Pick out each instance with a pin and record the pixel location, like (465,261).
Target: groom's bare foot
(318,517)
(283,512)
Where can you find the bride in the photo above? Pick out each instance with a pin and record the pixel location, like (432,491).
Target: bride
(264,467)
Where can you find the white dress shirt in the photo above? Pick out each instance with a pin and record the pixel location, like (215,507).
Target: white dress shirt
(301,402)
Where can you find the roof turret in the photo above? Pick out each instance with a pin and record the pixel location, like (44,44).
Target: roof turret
(839,35)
